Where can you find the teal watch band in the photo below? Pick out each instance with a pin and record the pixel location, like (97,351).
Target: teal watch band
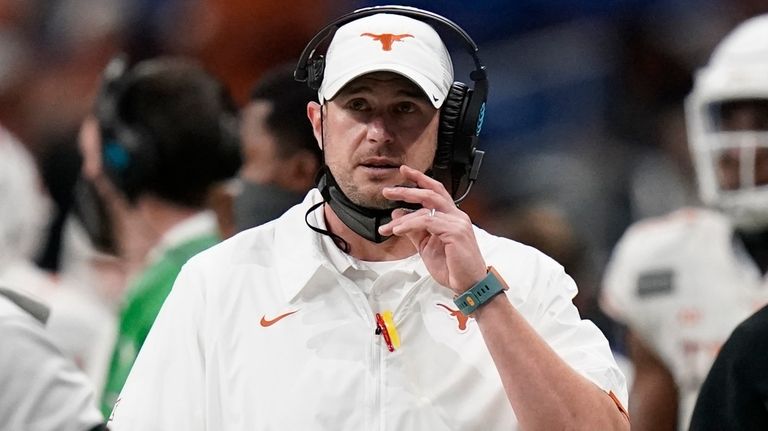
(481,293)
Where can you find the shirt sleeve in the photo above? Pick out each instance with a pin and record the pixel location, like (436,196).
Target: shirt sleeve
(41,389)
(166,386)
(578,342)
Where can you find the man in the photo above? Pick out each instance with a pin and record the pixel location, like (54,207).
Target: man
(281,157)
(350,323)
(164,134)
(681,283)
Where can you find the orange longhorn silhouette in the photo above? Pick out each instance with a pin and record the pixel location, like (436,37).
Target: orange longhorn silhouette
(462,319)
(387,39)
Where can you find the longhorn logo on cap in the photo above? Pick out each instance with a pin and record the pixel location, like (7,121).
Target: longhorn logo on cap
(387,39)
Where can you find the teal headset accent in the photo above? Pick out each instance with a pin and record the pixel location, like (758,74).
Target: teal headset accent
(480,119)
(457,159)
(115,156)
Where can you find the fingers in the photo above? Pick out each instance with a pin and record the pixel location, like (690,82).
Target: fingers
(398,216)
(421,179)
(420,221)
(429,192)
(426,198)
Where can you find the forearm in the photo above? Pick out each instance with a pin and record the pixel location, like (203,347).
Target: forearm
(544,391)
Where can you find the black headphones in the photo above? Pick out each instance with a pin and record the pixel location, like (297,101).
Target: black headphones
(457,161)
(130,153)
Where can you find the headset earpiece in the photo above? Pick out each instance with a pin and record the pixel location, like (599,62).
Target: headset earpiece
(450,123)
(453,146)
(127,157)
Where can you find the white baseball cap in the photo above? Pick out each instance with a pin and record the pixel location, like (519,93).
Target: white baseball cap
(388,43)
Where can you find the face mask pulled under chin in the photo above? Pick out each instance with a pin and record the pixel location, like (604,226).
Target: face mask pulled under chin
(91,210)
(257,204)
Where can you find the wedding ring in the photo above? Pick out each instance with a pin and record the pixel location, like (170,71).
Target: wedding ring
(432,212)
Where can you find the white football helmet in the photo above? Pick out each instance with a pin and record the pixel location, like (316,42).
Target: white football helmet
(737,70)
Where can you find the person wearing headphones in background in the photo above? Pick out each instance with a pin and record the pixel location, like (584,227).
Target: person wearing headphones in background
(280,155)
(681,283)
(163,134)
(374,304)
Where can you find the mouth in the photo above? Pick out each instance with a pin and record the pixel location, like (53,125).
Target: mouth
(380,164)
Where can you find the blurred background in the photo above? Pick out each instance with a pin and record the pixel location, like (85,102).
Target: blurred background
(584,113)
(584,131)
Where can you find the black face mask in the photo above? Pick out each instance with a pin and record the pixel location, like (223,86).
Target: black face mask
(363,221)
(259,203)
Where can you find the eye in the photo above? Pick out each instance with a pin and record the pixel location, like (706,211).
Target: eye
(358,105)
(405,107)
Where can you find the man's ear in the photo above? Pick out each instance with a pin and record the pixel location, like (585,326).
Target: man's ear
(314,113)
(89,142)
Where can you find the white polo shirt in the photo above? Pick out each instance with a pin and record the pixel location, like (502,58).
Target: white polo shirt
(262,332)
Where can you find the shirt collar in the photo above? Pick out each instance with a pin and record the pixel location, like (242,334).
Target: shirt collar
(303,252)
(298,248)
(199,224)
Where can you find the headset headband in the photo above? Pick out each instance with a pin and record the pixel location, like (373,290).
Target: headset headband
(478,75)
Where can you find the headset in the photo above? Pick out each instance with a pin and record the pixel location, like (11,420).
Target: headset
(457,160)
(128,153)
(131,155)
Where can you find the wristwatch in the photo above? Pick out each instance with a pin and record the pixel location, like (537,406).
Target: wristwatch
(481,293)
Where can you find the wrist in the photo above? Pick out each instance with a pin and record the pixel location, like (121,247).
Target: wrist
(481,292)
(477,278)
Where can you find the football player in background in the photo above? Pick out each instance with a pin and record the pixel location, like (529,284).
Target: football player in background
(681,283)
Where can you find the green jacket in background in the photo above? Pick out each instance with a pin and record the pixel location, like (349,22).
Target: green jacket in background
(140,307)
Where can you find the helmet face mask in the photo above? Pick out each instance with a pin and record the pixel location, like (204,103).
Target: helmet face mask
(727,118)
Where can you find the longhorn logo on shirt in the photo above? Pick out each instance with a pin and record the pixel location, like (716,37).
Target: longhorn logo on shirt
(387,39)
(460,318)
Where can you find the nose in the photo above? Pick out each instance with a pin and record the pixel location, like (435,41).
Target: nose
(380,130)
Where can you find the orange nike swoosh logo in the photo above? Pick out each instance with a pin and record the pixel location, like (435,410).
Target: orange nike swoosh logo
(266,322)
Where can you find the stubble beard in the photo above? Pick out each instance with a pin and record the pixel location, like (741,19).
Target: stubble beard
(367,199)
